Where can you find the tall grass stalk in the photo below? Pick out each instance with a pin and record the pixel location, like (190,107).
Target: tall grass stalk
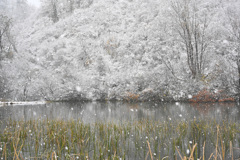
(145,139)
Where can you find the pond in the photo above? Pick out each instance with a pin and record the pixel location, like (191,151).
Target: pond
(90,112)
(124,130)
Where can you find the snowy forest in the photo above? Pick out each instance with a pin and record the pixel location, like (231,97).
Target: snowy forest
(166,50)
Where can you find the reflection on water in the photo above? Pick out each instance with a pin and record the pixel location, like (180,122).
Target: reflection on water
(91,112)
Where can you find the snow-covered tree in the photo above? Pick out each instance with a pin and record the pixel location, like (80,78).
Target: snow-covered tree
(7,44)
(17,10)
(232,40)
(5,24)
(191,24)
(51,9)
(22,9)
(71,5)
(118,48)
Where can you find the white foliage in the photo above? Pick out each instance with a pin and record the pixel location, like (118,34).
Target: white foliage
(103,50)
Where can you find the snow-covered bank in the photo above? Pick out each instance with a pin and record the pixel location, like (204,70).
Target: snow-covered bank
(23,103)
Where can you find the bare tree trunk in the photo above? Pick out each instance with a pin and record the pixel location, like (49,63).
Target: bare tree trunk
(71,5)
(55,11)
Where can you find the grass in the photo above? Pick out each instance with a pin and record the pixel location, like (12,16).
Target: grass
(145,139)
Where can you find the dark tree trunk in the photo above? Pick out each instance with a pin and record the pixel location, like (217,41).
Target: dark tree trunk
(55,11)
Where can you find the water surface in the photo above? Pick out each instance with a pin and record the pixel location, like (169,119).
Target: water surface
(91,112)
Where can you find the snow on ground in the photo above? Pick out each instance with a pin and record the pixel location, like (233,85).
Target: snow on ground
(22,103)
